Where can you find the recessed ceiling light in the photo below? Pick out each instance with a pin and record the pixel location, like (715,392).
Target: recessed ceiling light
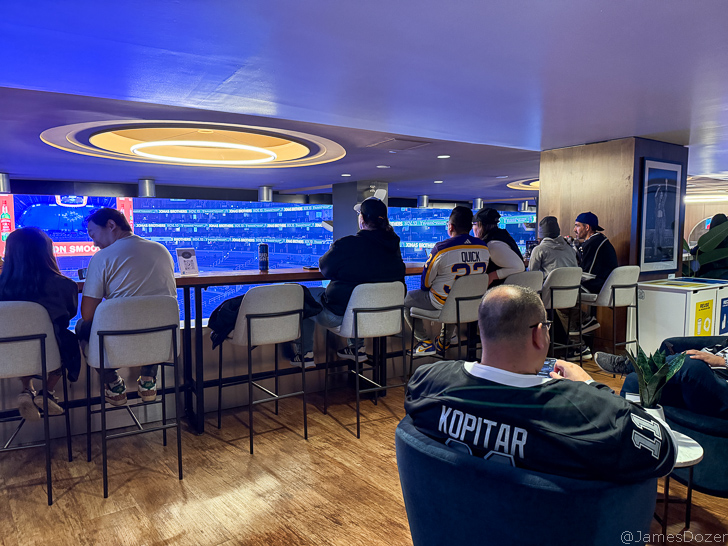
(438,181)
(382,166)
(345,174)
(443,156)
(392,151)
(501,177)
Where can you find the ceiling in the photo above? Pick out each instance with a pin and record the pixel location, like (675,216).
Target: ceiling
(489,83)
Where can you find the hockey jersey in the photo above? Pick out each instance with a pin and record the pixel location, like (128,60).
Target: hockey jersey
(548,425)
(455,257)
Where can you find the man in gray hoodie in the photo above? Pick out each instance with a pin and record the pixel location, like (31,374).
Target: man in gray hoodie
(553,251)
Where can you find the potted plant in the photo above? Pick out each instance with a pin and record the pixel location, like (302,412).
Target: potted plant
(653,373)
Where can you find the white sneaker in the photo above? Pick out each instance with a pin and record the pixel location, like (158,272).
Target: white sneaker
(308,361)
(27,407)
(348,353)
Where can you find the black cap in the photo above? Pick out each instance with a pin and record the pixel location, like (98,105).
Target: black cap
(549,226)
(487,216)
(372,208)
(590,219)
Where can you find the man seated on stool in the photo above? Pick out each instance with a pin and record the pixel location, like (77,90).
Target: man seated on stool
(126,266)
(501,410)
(505,256)
(553,251)
(458,256)
(699,386)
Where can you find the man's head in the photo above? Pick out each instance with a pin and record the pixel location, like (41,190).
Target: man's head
(586,225)
(513,329)
(549,227)
(106,225)
(460,221)
(485,221)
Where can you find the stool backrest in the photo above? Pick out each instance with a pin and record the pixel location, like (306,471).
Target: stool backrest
(558,279)
(134,313)
(468,286)
(275,298)
(527,279)
(374,324)
(627,275)
(22,358)
(447,492)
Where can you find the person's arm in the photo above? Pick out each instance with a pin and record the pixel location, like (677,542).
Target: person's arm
(709,358)
(329,263)
(509,261)
(94,289)
(88,308)
(534,263)
(427,271)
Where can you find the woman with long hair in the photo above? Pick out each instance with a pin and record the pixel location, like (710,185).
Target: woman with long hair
(30,273)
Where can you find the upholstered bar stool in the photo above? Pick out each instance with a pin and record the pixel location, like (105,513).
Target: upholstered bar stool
(375,310)
(28,348)
(461,306)
(127,333)
(562,290)
(620,290)
(527,279)
(267,315)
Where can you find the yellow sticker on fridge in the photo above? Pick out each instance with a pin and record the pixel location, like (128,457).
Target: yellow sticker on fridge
(704,318)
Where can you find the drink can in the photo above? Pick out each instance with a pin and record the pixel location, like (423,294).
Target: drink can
(263,257)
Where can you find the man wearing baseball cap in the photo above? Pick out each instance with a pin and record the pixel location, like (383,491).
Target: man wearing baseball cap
(505,257)
(598,259)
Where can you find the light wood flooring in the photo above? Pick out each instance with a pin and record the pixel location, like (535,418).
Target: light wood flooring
(330,490)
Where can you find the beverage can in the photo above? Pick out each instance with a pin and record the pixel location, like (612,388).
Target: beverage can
(263,257)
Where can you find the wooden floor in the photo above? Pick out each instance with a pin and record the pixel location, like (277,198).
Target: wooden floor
(330,490)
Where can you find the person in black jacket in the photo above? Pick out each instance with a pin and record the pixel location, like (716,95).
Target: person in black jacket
(370,256)
(502,410)
(505,256)
(31,274)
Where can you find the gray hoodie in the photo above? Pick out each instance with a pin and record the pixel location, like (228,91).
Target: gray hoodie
(550,254)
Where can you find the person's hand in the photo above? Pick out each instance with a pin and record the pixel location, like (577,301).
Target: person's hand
(709,359)
(492,277)
(569,370)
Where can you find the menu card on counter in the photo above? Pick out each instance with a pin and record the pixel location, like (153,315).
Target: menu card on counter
(187,261)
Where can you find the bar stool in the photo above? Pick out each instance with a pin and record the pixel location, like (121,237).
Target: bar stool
(375,310)
(267,315)
(527,279)
(562,290)
(620,290)
(461,306)
(126,333)
(29,348)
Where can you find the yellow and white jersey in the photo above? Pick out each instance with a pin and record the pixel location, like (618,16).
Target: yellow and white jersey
(455,257)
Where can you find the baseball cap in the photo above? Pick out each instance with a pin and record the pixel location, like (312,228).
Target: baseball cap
(590,219)
(487,216)
(372,207)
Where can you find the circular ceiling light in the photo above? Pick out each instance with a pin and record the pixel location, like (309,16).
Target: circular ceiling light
(268,155)
(529,184)
(194,144)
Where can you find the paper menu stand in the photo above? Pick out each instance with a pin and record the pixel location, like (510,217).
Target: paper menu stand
(187,261)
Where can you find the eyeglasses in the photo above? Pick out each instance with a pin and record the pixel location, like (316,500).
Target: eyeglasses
(546,324)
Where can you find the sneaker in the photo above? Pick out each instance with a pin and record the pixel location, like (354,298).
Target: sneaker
(147,390)
(26,407)
(588,326)
(54,408)
(116,392)
(583,353)
(424,348)
(613,364)
(439,347)
(348,353)
(307,360)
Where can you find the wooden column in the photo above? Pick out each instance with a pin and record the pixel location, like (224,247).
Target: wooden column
(605,178)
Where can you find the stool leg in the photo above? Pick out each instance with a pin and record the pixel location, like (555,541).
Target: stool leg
(275,349)
(161,371)
(219,389)
(689,506)
(250,395)
(666,503)
(412,349)
(326,373)
(46,424)
(68,417)
(356,379)
(88,413)
(179,409)
(305,410)
(103,435)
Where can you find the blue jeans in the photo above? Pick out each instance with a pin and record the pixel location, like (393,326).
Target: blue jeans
(325,318)
(695,386)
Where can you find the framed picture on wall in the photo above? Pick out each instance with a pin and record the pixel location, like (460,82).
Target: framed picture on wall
(661,190)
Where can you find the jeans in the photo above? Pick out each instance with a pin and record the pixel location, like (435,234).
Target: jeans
(325,318)
(83,331)
(421,299)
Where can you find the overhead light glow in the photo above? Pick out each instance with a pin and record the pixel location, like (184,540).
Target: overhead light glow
(706,198)
(345,174)
(443,157)
(438,181)
(270,156)
(501,177)
(382,166)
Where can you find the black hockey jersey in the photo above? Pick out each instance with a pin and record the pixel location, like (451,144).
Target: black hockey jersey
(554,426)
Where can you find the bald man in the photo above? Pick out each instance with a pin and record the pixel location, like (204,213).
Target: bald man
(502,410)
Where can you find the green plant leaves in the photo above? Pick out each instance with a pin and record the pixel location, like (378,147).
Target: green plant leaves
(713,238)
(713,255)
(653,373)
